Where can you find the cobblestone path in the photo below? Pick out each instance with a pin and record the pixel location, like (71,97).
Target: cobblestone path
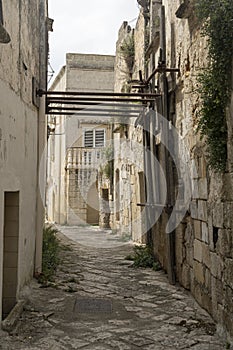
(99,301)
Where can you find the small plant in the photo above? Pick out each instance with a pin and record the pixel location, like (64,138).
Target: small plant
(143,257)
(127,50)
(125,237)
(107,168)
(50,250)
(114,231)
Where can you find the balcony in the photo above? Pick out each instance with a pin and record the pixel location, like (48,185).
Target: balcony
(84,158)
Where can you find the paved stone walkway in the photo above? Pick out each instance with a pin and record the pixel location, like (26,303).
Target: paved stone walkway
(133,308)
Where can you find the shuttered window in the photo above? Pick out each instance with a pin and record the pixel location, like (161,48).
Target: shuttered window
(88,138)
(99,138)
(94,138)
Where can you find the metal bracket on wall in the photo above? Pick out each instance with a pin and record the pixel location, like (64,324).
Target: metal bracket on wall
(94,104)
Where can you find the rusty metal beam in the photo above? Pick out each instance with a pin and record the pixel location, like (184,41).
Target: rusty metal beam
(61,101)
(87,110)
(161,69)
(102,99)
(102,104)
(92,114)
(88,93)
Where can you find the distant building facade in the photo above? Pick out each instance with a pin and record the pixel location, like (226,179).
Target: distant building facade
(23,70)
(78,188)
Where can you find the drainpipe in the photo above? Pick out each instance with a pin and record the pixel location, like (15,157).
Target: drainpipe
(41,136)
(167,167)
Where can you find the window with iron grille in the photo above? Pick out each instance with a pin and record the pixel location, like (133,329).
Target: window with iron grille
(94,138)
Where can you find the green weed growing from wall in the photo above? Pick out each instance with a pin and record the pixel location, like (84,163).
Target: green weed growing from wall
(215,81)
(127,50)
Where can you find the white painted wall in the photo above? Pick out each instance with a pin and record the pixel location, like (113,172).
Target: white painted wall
(19,136)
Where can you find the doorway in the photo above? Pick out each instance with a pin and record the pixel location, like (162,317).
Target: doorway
(93,205)
(10,251)
(117,195)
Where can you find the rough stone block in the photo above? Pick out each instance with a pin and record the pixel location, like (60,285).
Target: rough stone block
(225,243)
(197,292)
(193,209)
(197,250)
(218,215)
(202,167)
(228,187)
(216,265)
(204,232)
(185,276)
(208,279)
(206,255)
(228,273)
(189,256)
(195,191)
(206,301)
(199,273)
(202,210)
(228,299)
(228,215)
(194,169)
(228,321)
(179,246)
(197,229)
(202,188)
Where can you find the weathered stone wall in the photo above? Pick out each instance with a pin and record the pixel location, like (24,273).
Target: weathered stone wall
(129,218)
(89,72)
(21,62)
(203,240)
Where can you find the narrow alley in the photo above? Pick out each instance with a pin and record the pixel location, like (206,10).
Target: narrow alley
(99,301)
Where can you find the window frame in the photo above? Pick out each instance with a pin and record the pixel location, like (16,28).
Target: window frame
(94,131)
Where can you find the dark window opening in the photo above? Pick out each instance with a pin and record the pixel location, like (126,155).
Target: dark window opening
(105,195)
(215,235)
(117,195)
(1,14)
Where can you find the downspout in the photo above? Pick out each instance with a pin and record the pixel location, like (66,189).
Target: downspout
(41,135)
(165,102)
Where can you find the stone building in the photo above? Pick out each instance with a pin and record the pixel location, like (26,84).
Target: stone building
(78,185)
(187,205)
(23,70)
(129,219)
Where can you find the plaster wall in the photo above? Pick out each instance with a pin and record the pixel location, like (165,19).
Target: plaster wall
(19,135)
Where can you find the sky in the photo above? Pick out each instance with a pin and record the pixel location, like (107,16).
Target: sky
(87,26)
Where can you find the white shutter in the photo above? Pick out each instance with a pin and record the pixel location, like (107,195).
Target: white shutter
(88,138)
(99,138)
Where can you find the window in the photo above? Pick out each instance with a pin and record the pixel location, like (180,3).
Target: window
(94,138)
